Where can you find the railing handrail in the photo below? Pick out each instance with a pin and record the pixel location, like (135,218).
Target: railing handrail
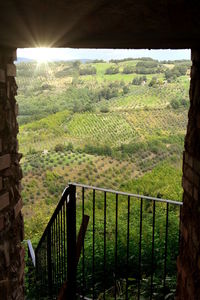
(59,205)
(31,251)
(126,194)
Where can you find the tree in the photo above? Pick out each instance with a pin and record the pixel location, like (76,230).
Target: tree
(128,70)
(125,89)
(112,70)
(76,64)
(153,81)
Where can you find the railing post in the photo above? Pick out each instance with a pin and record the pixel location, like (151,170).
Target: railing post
(49,265)
(71,244)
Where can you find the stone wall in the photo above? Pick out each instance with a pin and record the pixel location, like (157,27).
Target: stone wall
(188,284)
(11,219)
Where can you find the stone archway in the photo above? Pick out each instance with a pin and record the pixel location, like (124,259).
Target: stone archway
(11,221)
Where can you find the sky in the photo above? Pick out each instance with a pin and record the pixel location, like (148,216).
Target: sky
(51,54)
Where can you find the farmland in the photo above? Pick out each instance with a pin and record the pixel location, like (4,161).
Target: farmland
(73,129)
(121,127)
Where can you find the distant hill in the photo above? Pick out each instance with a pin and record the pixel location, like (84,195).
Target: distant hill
(82,60)
(24,59)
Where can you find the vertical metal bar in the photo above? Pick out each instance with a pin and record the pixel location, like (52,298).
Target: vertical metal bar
(64,236)
(127,253)
(93,247)
(104,258)
(59,275)
(83,260)
(61,233)
(71,244)
(56,269)
(166,240)
(152,253)
(140,248)
(66,206)
(54,255)
(49,267)
(116,233)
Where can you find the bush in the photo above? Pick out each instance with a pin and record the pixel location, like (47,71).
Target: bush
(153,81)
(139,80)
(59,148)
(177,102)
(125,89)
(104,109)
(147,64)
(99,150)
(88,71)
(108,93)
(112,70)
(69,147)
(147,67)
(178,70)
(128,70)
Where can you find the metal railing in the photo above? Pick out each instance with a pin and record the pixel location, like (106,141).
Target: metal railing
(129,250)
(55,255)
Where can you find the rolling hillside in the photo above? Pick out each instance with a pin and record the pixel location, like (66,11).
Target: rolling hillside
(118,124)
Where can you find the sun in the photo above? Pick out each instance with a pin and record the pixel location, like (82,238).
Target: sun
(42,54)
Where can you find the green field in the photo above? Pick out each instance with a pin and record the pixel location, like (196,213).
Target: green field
(103,130)
(98,133)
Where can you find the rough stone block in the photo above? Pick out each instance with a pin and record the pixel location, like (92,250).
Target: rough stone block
(1,183)
(4,200)
(8,89)
(6,254)
(11,70)
(5,162)
(184,232)
(188,172)
(4,287)
(17,208)
(16,109)
(198,120)
(197,166)
(188,159)
(22,254)
(2,76)
(187,186)
(21,273)
(196,194)
(1,223)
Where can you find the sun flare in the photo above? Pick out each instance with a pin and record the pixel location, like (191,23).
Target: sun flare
(42,54)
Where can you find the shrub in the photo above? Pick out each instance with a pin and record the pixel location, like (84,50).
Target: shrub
(153,81)
(147,67)
(112,70)
(108,92)
(139,80)
(98,149)
(128,70)
(89,70)
(175,103)
(104,109)
(59,148)
(178,70)
(69,147)
(125,89)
